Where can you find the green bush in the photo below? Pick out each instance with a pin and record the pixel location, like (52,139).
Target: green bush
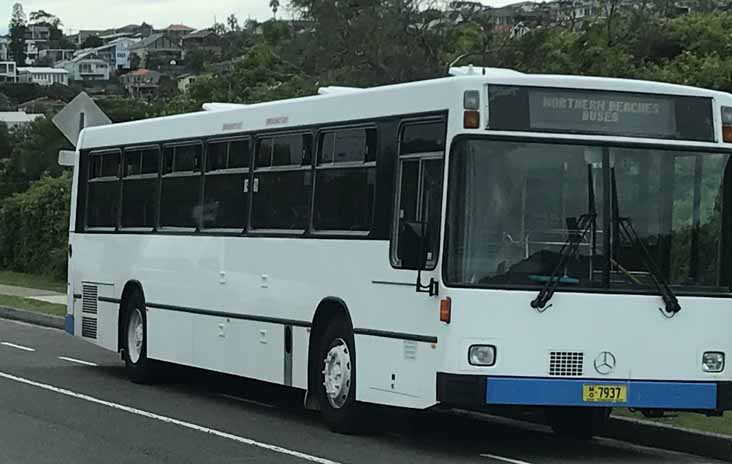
(34,228)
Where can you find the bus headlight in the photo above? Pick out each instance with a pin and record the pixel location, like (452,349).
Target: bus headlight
(713,361)
(482,355)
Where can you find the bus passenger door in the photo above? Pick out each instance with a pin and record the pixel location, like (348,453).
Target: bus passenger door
(400,370)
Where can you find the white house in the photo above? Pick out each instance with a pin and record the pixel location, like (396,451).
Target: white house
(4,48)
(8,72)
(17,119)
(116,53)
(86,68)
(43,76)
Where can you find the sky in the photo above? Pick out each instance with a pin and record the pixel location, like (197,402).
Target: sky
(104,14)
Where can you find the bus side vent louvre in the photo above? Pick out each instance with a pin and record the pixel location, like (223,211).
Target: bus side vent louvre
(566,363)
(89,294)
(89,327)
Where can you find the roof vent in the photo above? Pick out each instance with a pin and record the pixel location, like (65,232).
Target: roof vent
(333,89)
(480,71)
(222,106)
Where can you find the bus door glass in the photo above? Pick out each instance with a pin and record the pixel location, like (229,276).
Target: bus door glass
(420,177)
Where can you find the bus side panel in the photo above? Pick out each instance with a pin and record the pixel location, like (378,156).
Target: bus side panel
(107,317)
(395,372)
(300,346)
(240,347)
(170,336)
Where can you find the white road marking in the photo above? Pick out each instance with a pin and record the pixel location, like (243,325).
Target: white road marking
(170,420)
(245,400)
(19,347)
(500,458)
(78,361)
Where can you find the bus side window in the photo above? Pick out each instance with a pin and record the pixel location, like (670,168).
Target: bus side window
(102,202)
(421,164)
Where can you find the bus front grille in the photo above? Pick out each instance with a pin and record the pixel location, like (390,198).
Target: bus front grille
(566,363)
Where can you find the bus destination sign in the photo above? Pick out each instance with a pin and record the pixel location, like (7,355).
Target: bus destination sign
(600,112)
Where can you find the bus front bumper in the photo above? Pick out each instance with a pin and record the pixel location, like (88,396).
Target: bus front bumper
(481,391)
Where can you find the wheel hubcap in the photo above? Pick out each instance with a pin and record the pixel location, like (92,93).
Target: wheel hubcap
(135,336)
(337,374)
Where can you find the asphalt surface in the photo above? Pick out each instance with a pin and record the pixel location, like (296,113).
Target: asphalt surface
(61,410)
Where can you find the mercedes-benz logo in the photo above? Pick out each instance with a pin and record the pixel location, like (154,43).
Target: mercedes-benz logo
(605,363)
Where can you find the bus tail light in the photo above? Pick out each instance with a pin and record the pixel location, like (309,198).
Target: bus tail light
(727,124)
(445,310)
(471,120)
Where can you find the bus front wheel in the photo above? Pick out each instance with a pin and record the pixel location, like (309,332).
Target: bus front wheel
(337,385)
(134,337)
(577,422)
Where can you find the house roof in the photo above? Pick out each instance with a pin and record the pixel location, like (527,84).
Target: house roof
(43,70)
(142,72)
(116,35)
(179,28)
(200,34)
(17,117)
(42,99)
(144,43)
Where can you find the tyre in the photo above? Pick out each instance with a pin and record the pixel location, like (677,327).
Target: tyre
(578,423)
(337,386)
(134,340)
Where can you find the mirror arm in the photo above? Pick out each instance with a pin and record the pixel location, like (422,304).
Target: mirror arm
(432,287)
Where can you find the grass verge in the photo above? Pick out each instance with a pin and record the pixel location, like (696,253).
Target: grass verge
(20,279)
(27,304)
(687,420)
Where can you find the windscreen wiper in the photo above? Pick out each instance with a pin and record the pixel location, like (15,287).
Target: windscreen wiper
(577,231)
(625,226)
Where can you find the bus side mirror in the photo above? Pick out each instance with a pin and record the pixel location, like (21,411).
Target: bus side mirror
(413,245)
(66,158)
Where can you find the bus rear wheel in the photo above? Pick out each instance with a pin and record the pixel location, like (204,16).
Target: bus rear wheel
(578,423)
(337,379)
(134,338)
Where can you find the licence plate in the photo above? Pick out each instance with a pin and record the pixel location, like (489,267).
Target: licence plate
(605,393)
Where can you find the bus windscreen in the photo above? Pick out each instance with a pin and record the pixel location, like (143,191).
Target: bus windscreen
(539,109)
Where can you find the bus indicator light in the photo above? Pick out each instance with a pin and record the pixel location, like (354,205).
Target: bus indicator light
(471,120)
(445,310)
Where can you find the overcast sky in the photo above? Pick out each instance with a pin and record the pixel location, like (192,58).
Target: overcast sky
(103,14)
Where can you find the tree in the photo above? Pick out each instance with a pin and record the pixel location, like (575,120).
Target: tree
(4,141)
(274,6)
(369,43)
(233,23)
(5,103)
(44,18)
(18,28)
(92,42)
(196,59)
(219,28)
(56,37)
(260,76)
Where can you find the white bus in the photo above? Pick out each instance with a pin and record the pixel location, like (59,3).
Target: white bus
(486,240)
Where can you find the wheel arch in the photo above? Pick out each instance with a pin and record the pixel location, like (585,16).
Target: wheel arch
(328,309)
(130,288)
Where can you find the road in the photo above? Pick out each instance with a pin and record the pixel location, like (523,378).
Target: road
(65,400)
